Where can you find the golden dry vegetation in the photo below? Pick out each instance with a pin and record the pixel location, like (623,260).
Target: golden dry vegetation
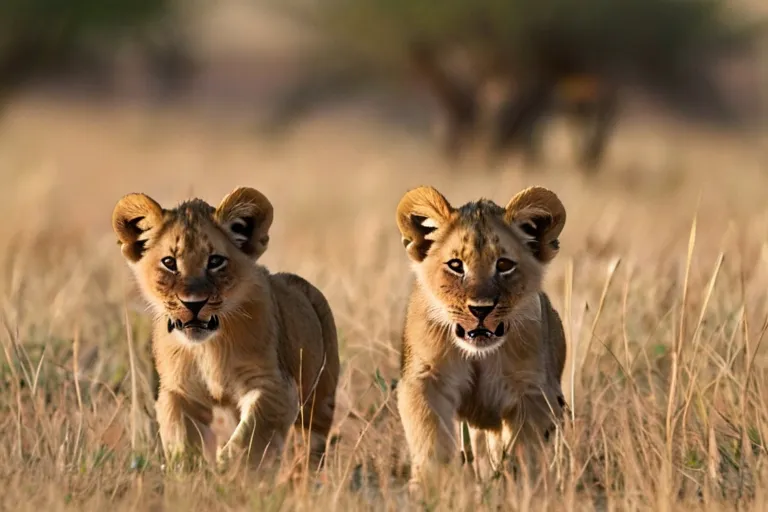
(662,283)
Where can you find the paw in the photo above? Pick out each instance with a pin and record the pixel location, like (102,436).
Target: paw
(224,457)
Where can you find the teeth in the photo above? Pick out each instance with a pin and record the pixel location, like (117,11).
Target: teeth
(499,330)
(477,333)
(179,324)
(213,323)
(170,325)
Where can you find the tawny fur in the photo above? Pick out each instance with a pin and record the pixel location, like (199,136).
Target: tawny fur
(510,391)
(275,348)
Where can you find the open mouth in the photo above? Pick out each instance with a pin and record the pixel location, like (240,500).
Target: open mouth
(480,336)
(195,324)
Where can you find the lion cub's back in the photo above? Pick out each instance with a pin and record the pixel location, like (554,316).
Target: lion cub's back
(309,337)
(555,336)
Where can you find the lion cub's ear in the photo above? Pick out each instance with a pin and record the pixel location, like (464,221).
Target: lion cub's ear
(246,216)
(133,217)
(541,215)
(420,212)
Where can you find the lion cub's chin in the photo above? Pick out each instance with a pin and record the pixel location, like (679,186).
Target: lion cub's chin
(479,342)
(478,347)
(194,333)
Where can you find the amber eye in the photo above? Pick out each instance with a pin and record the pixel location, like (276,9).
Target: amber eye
(169,263)
(456,266)
(215,262)
(505,266)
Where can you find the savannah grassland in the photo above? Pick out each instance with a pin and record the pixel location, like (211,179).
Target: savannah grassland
(662,283)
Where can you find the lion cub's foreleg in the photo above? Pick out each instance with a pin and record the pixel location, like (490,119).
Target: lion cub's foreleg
(184,427)
(266,415)
(525,429)
(427,412)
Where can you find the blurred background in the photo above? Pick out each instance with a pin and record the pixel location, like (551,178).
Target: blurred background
(465,70)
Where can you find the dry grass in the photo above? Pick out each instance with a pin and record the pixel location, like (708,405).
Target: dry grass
(667,367)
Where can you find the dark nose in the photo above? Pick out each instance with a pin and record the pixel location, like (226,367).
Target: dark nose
(195,307)
(480,312)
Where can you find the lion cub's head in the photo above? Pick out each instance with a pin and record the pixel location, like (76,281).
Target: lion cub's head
(194,263)
(480,263)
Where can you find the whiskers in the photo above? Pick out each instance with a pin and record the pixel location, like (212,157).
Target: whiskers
(515,328)
(158,313)
(520,317)
(436,311)
(232,312)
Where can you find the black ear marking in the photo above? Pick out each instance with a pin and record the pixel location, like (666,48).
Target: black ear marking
(534,246)
(419,222)
(243,226)
(243,230)
(423,228)
(537,226)
(135,250)
(133,226)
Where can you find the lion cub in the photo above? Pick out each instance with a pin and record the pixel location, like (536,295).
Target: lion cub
(226,331)
(482,343)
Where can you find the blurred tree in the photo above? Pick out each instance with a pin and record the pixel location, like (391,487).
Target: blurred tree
(501,66)
(39,37)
